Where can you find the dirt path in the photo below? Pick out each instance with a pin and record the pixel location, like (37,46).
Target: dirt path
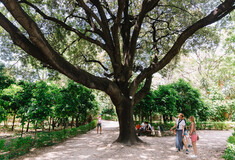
(93,146)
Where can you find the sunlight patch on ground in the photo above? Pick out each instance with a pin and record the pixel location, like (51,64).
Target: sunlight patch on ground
(150,149)
(83,156)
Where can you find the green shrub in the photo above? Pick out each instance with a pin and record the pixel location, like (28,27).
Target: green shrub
(231,140)
(164,126)
(19,146)
(44,139)
(229,152)
(2,144)
(57,136)
(73,132)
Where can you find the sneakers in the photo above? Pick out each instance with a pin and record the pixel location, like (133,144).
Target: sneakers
(193,156)
(187,152)
(189,146)
(178,150)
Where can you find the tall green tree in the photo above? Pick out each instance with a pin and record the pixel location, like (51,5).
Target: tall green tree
(5,82)
(165,100)
(25,102)
(139,38)
(10,100)
(40,107)
(189,100)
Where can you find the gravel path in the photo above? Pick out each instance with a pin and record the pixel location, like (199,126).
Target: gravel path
(93,146)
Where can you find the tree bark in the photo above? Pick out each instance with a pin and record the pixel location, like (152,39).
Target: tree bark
(22,130)
(53,124)
(13,123)
(77,121)
(127,134)
(72,122)
(164,118)
(50,124)
(27,127)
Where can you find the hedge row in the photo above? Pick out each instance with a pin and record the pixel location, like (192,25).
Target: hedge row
(21,145)
(230,150)
(200,125)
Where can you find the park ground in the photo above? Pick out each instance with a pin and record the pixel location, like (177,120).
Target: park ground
(93,146)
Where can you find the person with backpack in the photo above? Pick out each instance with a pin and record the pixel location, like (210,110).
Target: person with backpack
(180,123)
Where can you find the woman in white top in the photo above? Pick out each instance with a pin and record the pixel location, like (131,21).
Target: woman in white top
(180,123)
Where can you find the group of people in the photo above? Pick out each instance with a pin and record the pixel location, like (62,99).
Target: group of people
(145,127)
(182,134)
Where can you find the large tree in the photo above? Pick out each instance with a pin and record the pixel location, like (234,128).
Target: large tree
(128,31)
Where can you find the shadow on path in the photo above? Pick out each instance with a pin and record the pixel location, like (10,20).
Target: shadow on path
(93,146)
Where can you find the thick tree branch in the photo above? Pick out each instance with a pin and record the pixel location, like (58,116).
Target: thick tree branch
(114,29)
(218,13)
(90,12)
(104,20)
(146,7)
(143,92)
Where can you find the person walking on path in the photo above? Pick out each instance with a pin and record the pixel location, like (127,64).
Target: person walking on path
(180,123)
(193,134)
(99,121)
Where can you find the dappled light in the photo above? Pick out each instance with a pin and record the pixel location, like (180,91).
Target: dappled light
(93,146)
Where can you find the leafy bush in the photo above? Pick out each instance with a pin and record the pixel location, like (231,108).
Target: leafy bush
(230,150)
(2,144)
(199,125)
(231,140)
(214,125)
(44,139)
(164,126)
(73,132)
(18,146)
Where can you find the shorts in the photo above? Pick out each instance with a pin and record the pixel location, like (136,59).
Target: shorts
(98,125)
(194,137)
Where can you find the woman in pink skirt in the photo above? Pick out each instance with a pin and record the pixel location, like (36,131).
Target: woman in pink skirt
(193,134)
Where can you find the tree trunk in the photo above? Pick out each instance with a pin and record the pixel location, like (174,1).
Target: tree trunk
(77,121)
(50,124)
(27,127)
(22,130)
(127,133)
(13,123)
(72,122)
(64,123)
(142,117)
(164,118)
(53,124)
